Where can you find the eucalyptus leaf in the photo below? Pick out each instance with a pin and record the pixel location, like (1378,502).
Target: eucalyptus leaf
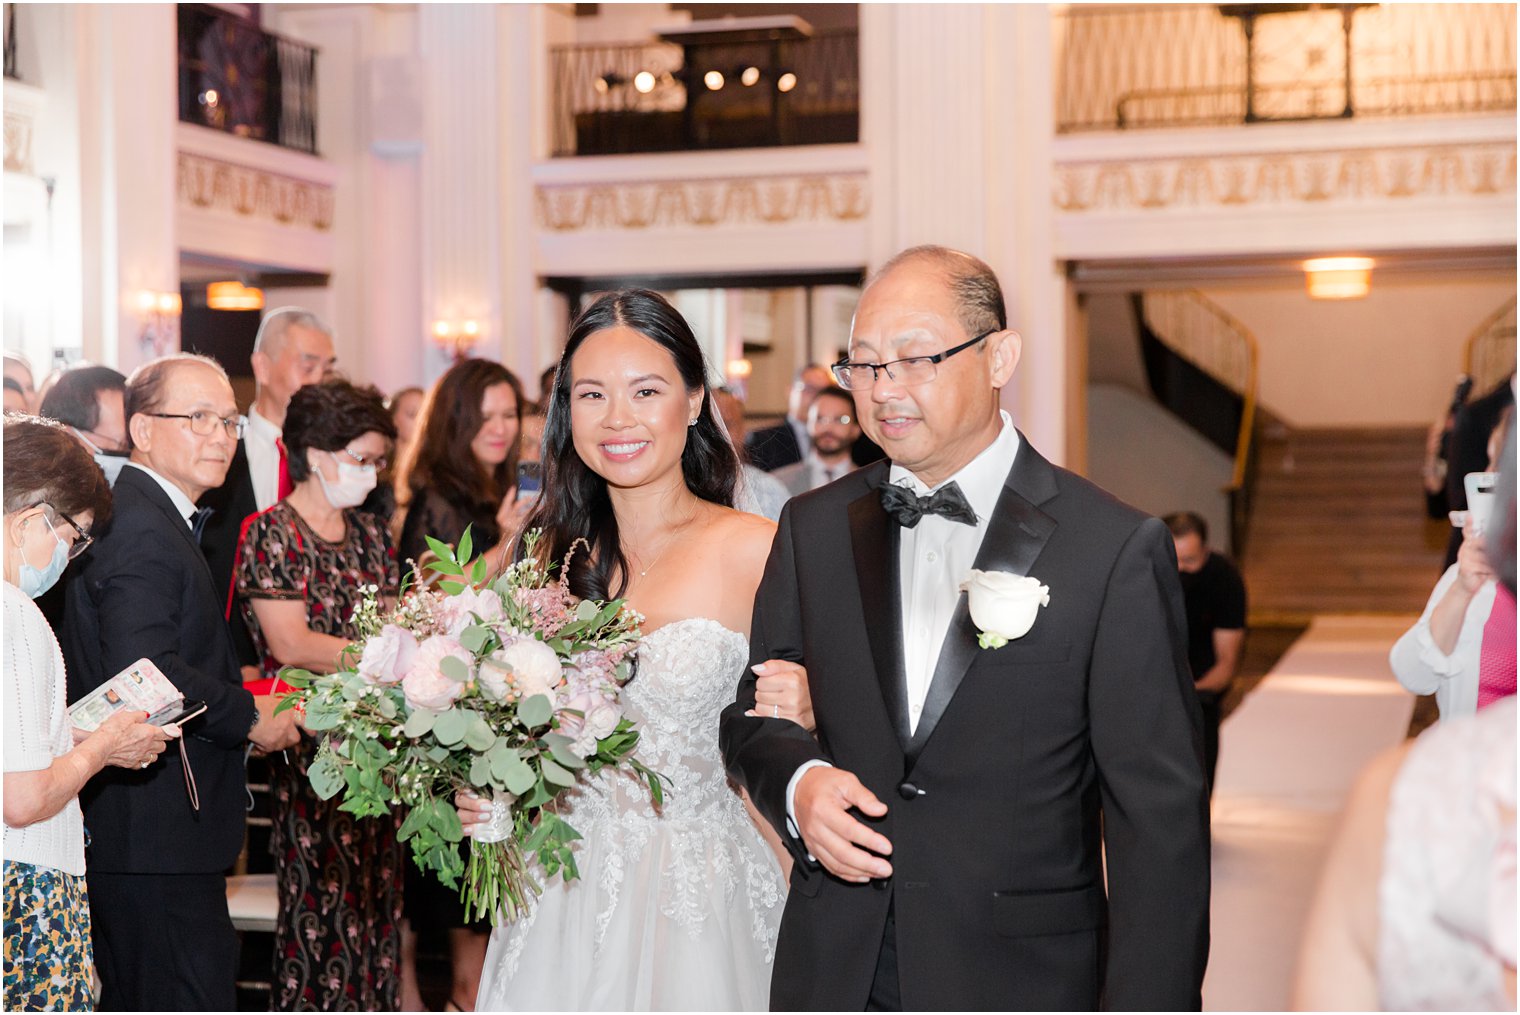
(322,716)
(446,820)
(326,778)
(454,668)
(480,771)
(560,748)
(437,753)
(451,726)
(419,722)
(557,774)
(519,777)
(503,760)
(474,638)
(535,711)
(479,736)
(586,609)
(387,706)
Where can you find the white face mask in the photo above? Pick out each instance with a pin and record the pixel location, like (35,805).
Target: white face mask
(353,484)
(110,462)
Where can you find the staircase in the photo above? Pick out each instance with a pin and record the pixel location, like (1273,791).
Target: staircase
(1338,526)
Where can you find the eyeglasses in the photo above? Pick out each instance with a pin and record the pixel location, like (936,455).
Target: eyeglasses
(81,542)
(378,461)
(204,423)
(910,371)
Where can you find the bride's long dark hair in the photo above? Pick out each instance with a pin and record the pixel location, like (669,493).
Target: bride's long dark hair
(574,504)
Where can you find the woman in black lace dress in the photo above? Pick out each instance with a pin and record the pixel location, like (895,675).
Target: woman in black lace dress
(300,569)
(459,471)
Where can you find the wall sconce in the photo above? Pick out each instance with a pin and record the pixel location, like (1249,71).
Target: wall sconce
(456,338)
(740,369)
(158,315)
(1338,278)
(233,296)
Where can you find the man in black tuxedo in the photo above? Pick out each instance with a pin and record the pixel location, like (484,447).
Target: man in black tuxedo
(160,844)
(952,818)
(293,348)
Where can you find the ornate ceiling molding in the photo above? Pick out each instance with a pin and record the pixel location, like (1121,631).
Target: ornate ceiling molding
(1277,179)
(208,184)
(703,204)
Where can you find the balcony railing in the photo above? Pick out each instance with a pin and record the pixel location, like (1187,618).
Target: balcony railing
(1193,65)
(236,77)
(661,97)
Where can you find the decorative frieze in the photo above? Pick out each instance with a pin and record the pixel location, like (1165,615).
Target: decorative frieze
(710,203)
(1232,181)
(212,184)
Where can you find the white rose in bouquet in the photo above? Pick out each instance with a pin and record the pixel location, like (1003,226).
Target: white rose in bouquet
(388,655)
(460,610)
(535,666)
(1003,605)
(426,685)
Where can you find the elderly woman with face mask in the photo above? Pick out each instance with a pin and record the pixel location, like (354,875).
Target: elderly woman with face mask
(301,567)
(54,495)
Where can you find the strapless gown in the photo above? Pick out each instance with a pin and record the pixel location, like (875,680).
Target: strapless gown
(675,909)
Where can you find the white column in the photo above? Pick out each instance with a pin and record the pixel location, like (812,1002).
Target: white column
(522,32)
(957,118)
(462,173)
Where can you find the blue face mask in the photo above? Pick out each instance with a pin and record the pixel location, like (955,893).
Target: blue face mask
(34,582)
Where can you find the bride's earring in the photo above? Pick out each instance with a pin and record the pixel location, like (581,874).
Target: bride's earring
(691,423)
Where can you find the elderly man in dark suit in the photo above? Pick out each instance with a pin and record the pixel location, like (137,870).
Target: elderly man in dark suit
(161,840)
(977,760)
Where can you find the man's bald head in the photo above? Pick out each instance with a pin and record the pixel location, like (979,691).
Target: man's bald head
(971,281)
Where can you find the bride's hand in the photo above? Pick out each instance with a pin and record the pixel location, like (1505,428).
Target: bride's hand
(473,811)
(782,693)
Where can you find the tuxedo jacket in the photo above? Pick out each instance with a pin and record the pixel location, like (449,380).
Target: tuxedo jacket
(231,503)
(145,590)
(1027,763)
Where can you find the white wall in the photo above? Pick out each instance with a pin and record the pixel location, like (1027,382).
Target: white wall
(1390,359)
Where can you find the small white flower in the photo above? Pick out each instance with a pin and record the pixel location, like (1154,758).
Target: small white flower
(1003,605)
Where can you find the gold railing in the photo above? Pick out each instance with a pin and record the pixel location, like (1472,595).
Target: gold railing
(1134,65)
(1491,349)
(1202,333)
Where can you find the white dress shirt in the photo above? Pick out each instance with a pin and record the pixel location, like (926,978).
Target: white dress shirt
(1453,678)
(263,459)
(182,502)
(933,559)
(935,556)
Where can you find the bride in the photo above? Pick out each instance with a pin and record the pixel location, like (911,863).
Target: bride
(677,907)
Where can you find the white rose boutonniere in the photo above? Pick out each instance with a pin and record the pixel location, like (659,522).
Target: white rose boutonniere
(1003,605)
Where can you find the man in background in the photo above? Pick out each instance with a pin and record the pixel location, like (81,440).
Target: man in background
(1214,595)
(88,400)
(832,431)
(774,446)
(293,348)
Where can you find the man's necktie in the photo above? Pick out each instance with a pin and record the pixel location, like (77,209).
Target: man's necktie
(908,508)
(198,521)
(1496,659)
(286,486)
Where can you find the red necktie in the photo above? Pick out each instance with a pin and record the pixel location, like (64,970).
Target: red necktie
(285,486)
(1496,660)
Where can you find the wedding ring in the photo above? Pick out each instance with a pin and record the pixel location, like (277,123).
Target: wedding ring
(144,764)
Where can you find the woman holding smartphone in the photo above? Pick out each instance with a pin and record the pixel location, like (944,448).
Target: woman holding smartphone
(460,471)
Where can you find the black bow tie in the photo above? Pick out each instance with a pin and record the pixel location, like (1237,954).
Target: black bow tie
(908,508)
(198,521)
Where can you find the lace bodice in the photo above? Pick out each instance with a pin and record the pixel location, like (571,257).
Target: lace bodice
(698,860)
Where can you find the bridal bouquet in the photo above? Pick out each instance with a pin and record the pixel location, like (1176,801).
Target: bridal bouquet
(505,688)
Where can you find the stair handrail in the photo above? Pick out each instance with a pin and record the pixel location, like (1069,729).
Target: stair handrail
(1237,367)
(1489,355)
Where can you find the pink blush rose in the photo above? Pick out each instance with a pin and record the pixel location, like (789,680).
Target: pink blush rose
(458,612)
(426,685)
(388,655)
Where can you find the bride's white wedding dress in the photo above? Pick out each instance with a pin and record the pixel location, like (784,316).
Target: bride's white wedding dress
(675,910)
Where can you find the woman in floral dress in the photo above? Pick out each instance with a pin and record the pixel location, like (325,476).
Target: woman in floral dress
(301,567)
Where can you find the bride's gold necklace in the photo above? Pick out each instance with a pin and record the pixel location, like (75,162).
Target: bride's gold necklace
(675,534)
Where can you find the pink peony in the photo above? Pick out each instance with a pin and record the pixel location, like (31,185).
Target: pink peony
(388,655)
(599,717)
(425,684)
(458,612)
(535,667)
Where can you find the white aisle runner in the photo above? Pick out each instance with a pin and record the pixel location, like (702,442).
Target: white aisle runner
(1288,757)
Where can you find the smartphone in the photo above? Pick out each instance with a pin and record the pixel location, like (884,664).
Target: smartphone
(1480,498)
(177,712)
(530,478)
